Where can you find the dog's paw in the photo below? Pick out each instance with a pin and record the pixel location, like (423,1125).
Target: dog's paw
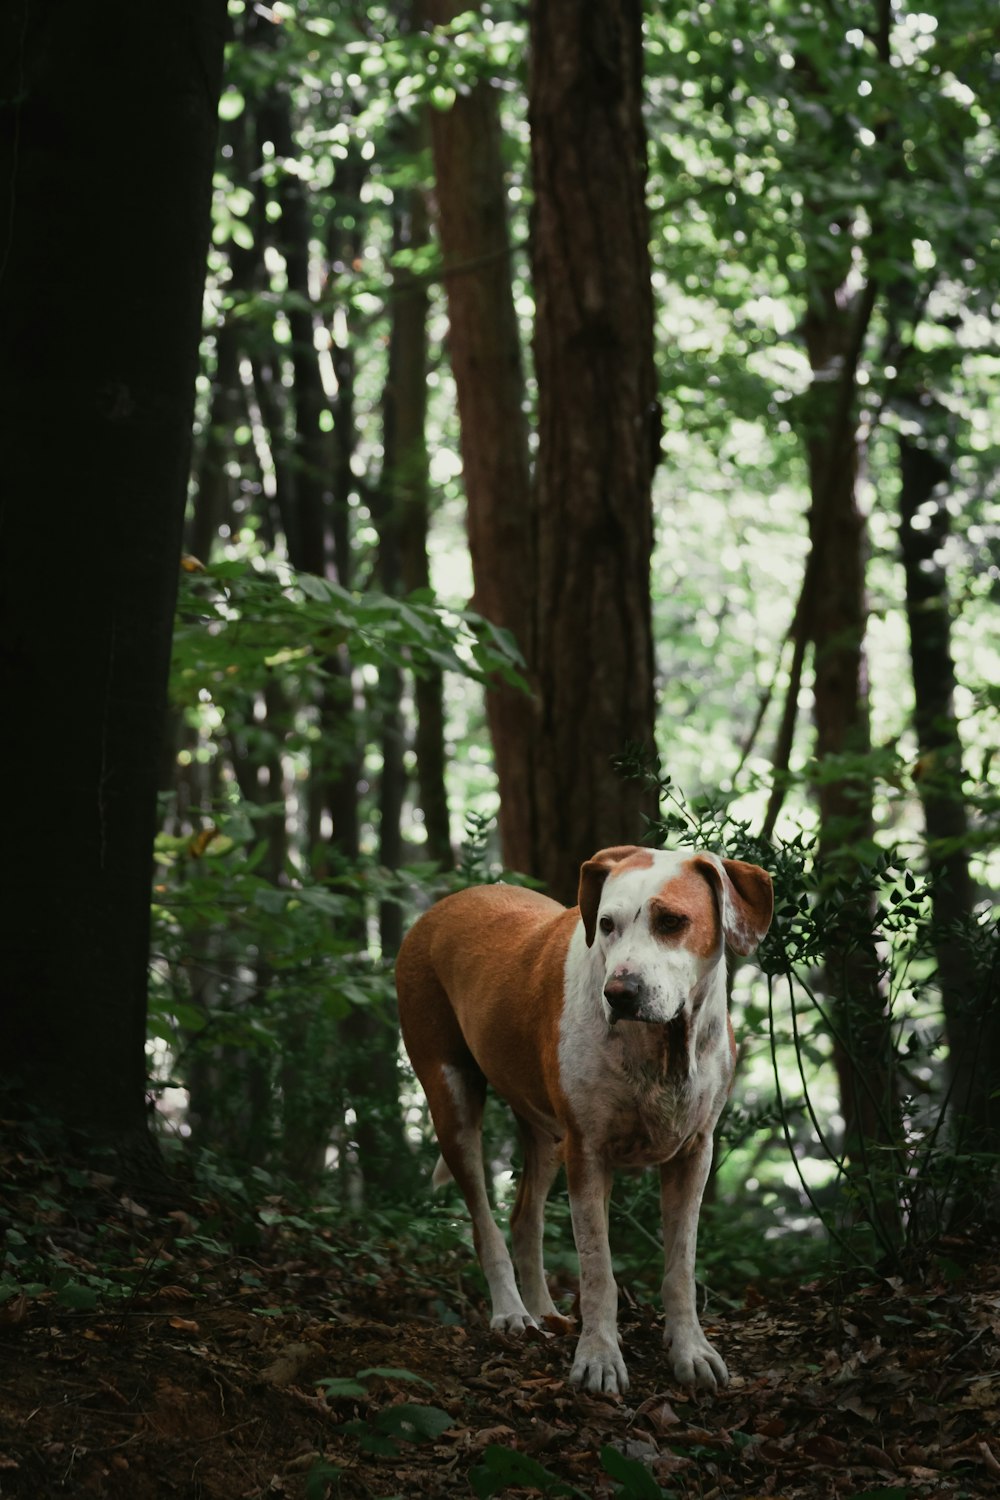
(598,1366)
(514,1324)
(693,1361)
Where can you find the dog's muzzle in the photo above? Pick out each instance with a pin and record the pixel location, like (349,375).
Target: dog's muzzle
(624,993)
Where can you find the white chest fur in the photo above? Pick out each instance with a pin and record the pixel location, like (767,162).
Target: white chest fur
(641,1092)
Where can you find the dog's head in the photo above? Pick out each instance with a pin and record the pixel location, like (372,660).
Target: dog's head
(660,920)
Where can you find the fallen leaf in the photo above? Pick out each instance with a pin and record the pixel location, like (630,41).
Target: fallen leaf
(988,1458)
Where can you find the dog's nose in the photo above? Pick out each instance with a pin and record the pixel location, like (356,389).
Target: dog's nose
(622,992)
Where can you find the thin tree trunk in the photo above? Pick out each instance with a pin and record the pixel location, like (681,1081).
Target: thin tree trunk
(591,650)
(485,351)
(212,502)
(313,449)
(834,617)
(404,485)
(409,487)
(973,1026)
(837,620)
(428,696)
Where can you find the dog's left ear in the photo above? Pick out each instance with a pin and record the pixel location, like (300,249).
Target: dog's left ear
(746,899)
(593,874)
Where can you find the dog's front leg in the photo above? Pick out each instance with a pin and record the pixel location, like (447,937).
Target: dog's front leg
(682,1183)
(598,1364)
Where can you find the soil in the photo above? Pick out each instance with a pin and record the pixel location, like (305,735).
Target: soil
(207,1380)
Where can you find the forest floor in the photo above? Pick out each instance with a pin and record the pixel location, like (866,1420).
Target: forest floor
(309,1364)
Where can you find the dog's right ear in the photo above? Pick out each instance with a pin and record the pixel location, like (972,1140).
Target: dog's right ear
(593,874)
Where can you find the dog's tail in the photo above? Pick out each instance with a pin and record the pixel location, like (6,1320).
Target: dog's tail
(441,1173)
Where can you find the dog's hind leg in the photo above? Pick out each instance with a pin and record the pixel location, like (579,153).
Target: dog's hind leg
(541,1163)
(456,1093)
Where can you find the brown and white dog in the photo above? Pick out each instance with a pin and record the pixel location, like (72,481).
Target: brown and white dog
(605,1028)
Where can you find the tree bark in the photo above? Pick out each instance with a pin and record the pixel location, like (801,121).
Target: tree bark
(485,351)
(107,142)
(213,499)
(404,485)
(411,511)
(836,619)
(972,1024)
(309,544)
(598,432)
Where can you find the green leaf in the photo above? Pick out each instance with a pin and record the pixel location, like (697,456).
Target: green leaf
(338,1387)
(321,1479)
(413,1422)
(505,1468)
(387,1372)
(636,1482)
(313,587)
(370,1440)
(271,900)
(74,1294)
(321,900)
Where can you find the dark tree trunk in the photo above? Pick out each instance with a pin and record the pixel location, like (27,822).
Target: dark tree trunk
(409,483)
(309,544)
(598,437)
(213,500)
(403,488)
(107,141)
(835,618)
(972,1023)
(428,698)
(485,351)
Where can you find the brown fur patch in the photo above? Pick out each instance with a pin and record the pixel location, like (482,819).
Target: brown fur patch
(689,895)
(639,859)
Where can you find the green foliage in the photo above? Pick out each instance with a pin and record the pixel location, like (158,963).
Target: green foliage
(409,1422)
(259,960)
(785,146)
(240,627)
(506,1468)
(213,911)
(633,1480)
(383,1430)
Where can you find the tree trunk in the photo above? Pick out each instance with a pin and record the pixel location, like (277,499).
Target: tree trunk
(403,488)
(836,621)
(485,351)
(833,618)
(409,497)
(973,1026)
(212,502)
(106,147)
(309,544)
(598,432)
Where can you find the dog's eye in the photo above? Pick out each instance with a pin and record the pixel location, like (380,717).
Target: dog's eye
(606,925)
(669,922)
